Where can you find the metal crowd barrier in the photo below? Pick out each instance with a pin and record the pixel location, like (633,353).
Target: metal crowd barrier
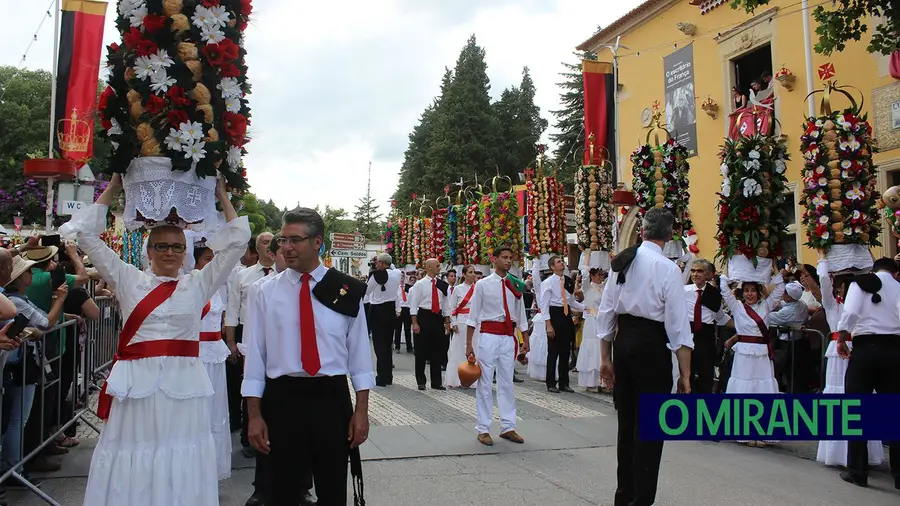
(63,388)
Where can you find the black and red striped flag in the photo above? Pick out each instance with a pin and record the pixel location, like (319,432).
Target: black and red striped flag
(599,111)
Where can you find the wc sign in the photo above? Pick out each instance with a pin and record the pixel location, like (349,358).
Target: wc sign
(71,198)
(70,207)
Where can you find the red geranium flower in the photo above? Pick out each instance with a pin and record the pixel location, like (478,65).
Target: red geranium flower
(147,47)
(177,96)
(246,7)
(133,38)
(114,47)
(235,127)
(242,25)
(177,117)
(210,3)
(105,123)
(154,23)
(230,50)
(229,70)
(103,102)
(155,104)
(214,54)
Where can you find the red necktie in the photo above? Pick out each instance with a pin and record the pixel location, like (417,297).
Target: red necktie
(698,313)
(435,303)
(309,349)
(266,271)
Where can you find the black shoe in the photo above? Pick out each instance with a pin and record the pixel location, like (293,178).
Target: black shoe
(308,499)
(380,384)
(553,390)
(567,389)
(421,387)
(849,478)
(15,483)
(439,388)
(517,379)
(255,500)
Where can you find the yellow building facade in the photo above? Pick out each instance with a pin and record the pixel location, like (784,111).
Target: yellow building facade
(729,48)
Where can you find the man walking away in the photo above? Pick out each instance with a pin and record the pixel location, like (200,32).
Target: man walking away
(382,290)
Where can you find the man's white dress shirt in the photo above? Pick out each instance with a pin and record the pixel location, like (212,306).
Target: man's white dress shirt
(551,296)
(420,297)
(862,317)
(391,288)
(236,312)
(706,314)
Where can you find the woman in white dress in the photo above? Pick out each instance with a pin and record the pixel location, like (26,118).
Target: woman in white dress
(588,363)
(537,341)
(459,302)
(156,448)
(753,371)
(834,453)
(213,353)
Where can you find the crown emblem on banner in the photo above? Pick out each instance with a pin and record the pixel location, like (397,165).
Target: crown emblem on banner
(73,134)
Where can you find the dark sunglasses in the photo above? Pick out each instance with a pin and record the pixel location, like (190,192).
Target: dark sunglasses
(162,247)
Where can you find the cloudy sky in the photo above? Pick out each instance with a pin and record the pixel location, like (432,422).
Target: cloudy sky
(339,84)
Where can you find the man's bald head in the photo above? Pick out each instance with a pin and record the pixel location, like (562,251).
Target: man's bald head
(263,247)
(432,267)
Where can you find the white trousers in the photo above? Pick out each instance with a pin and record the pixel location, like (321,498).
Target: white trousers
(495,353)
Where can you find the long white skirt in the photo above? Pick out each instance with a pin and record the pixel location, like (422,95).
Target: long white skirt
(457,355)
(834,453)
(155,451)
(537,354)
(588,363)
(752,372)
(219,422)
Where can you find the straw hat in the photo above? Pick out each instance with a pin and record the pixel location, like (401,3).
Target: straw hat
(42,254)
(20,266)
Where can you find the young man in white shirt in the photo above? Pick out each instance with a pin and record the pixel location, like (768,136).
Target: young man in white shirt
(871,319)
(383,288)
(558,301)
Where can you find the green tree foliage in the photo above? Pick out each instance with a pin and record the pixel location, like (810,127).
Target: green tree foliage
(336,221)
(463,135)
(251,209)
(842,21)
(569,138)
(366,216)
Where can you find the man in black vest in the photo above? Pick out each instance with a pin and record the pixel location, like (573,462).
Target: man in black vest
(645,297)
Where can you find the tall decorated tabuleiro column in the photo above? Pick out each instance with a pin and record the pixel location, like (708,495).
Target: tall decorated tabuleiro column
(594,212)
(660,171)
(546,215)
(840,197)
(175,109)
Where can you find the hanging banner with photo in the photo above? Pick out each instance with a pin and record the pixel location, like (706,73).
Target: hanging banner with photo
(78,68)
(681,111)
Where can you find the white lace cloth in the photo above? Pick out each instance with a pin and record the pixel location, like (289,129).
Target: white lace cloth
(153,189)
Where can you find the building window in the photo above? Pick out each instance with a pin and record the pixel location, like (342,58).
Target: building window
(750,67)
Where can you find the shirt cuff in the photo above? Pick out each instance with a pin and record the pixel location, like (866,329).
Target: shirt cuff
(253,388)
(414,311)
(364,381)
(231,322)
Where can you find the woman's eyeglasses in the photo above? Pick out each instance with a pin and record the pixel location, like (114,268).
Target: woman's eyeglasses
(162,247)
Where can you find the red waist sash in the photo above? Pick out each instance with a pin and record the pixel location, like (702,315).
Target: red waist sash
(836,336)
(758,340)
(498,328)
(206,337)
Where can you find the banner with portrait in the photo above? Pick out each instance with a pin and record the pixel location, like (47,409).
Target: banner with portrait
(681,111)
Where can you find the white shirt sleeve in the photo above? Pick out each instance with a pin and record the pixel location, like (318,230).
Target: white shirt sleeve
(233,309)
(229,245)
(254,383)
(852,307)
(359,361)
(475,306)
(413,297)
(676,321)
(606,313)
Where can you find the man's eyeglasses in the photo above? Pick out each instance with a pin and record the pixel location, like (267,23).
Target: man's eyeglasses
(294,240)
(162,247)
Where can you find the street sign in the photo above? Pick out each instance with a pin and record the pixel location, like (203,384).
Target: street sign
(339,244)
(348,253)
(70,207)
(335,236)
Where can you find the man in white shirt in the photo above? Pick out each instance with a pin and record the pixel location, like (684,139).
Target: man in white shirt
(705,311)
(235,315)
(645,297)
(871,316)
(308,332)
(497,309)
(558,300)
(430,322)
(404,322)
(793,356)
(383,288)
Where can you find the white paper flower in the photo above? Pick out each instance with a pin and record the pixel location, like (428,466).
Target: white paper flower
(234,157)
(160,81)
(854,193)
(137,15)
(161,60)
(780,166)
(823,220)
(194,151)
(203,18)
(724,169)
(174,140)
(726,188)
(751,188)
(219,15)
(143,67)
(230,88)
(667,160)
(212,35)
(116,128)
(754,155)
(820,169)
(846,164)
(233,104)
(190,131)
(823,181)
(842,121)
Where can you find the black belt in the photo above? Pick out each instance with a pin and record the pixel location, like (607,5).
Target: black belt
(870,339)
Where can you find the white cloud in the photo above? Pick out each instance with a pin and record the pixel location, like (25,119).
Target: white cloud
(337,84)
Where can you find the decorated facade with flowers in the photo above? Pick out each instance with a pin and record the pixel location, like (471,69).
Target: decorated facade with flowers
(661,180)
(840,196)
(546,216)
(752,221)
(178,86)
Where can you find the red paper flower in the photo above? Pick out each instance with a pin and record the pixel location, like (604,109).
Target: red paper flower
(210,3)
(147,47)
(154,23)
(133,38)
(229,70)
(214,54)
(246,7)
(177,117)
(155,104)
(103,102)
(230,50)
(235,128)
(114,47)
(177,96)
